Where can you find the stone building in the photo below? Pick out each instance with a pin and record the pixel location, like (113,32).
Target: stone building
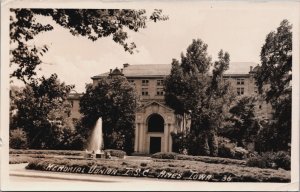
(154,121)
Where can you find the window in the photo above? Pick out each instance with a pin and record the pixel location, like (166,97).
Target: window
(160,82)
(240,81)
(159,91)
(145,82)
(145,91)
(240,91)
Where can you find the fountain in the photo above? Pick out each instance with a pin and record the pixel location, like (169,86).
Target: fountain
(95,143)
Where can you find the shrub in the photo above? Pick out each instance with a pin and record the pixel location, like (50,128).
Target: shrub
(215,160)
(164,155)
(18,139)
(226,148)
(47,152)
(280,159)
(18,160)
(230,150)
(260,162)
(115,153)
(240,153)
(179,143)
(283,160)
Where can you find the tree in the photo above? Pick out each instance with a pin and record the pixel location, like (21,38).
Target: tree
(42,112)
(191,89)
(274,80)
(15,94)
(90,23)
(245,124)
(115,101)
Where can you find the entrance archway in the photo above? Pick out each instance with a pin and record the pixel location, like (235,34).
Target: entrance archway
(156,123)
(156,130)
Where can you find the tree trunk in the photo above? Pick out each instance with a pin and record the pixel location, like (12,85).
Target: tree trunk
(203,144)
(213,144)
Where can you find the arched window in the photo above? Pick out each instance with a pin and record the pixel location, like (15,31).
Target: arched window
(156,123)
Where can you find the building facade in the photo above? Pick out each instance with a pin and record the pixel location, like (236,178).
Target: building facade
(154,121)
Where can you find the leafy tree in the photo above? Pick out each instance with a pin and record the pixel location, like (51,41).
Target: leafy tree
(15,94)
(245,125)
(90,23)
(42,112)
(274,80)
(115,101)
(191,89)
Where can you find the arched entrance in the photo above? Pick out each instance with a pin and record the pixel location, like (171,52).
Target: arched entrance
(156,123)
(156,126)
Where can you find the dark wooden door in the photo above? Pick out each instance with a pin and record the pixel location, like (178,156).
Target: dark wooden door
(155,144)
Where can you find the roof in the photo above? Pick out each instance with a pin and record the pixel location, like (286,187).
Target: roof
(161,70)
(157,103)
(74,96)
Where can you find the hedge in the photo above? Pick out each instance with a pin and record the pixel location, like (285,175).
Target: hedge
(275,160)
(164,155)
(215,160)
(206,159)
(180,169)
(20,159)
(116,153)
(47,152)
(113,152)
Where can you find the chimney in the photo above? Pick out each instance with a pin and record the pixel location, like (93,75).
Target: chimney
(122,71)
(251,68)
(110,71)
(125,65)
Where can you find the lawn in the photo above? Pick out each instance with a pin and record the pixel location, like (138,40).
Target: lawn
(184,168)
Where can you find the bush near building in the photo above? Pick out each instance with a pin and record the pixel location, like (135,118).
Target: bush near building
(18,139)
(274,160)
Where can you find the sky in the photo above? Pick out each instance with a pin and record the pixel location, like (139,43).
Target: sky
(240,28)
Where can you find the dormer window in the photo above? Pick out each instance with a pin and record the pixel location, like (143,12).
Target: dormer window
(116,72)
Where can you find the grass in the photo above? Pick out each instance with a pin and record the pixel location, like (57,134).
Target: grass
(47,152)
(176,164)
(183,167)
